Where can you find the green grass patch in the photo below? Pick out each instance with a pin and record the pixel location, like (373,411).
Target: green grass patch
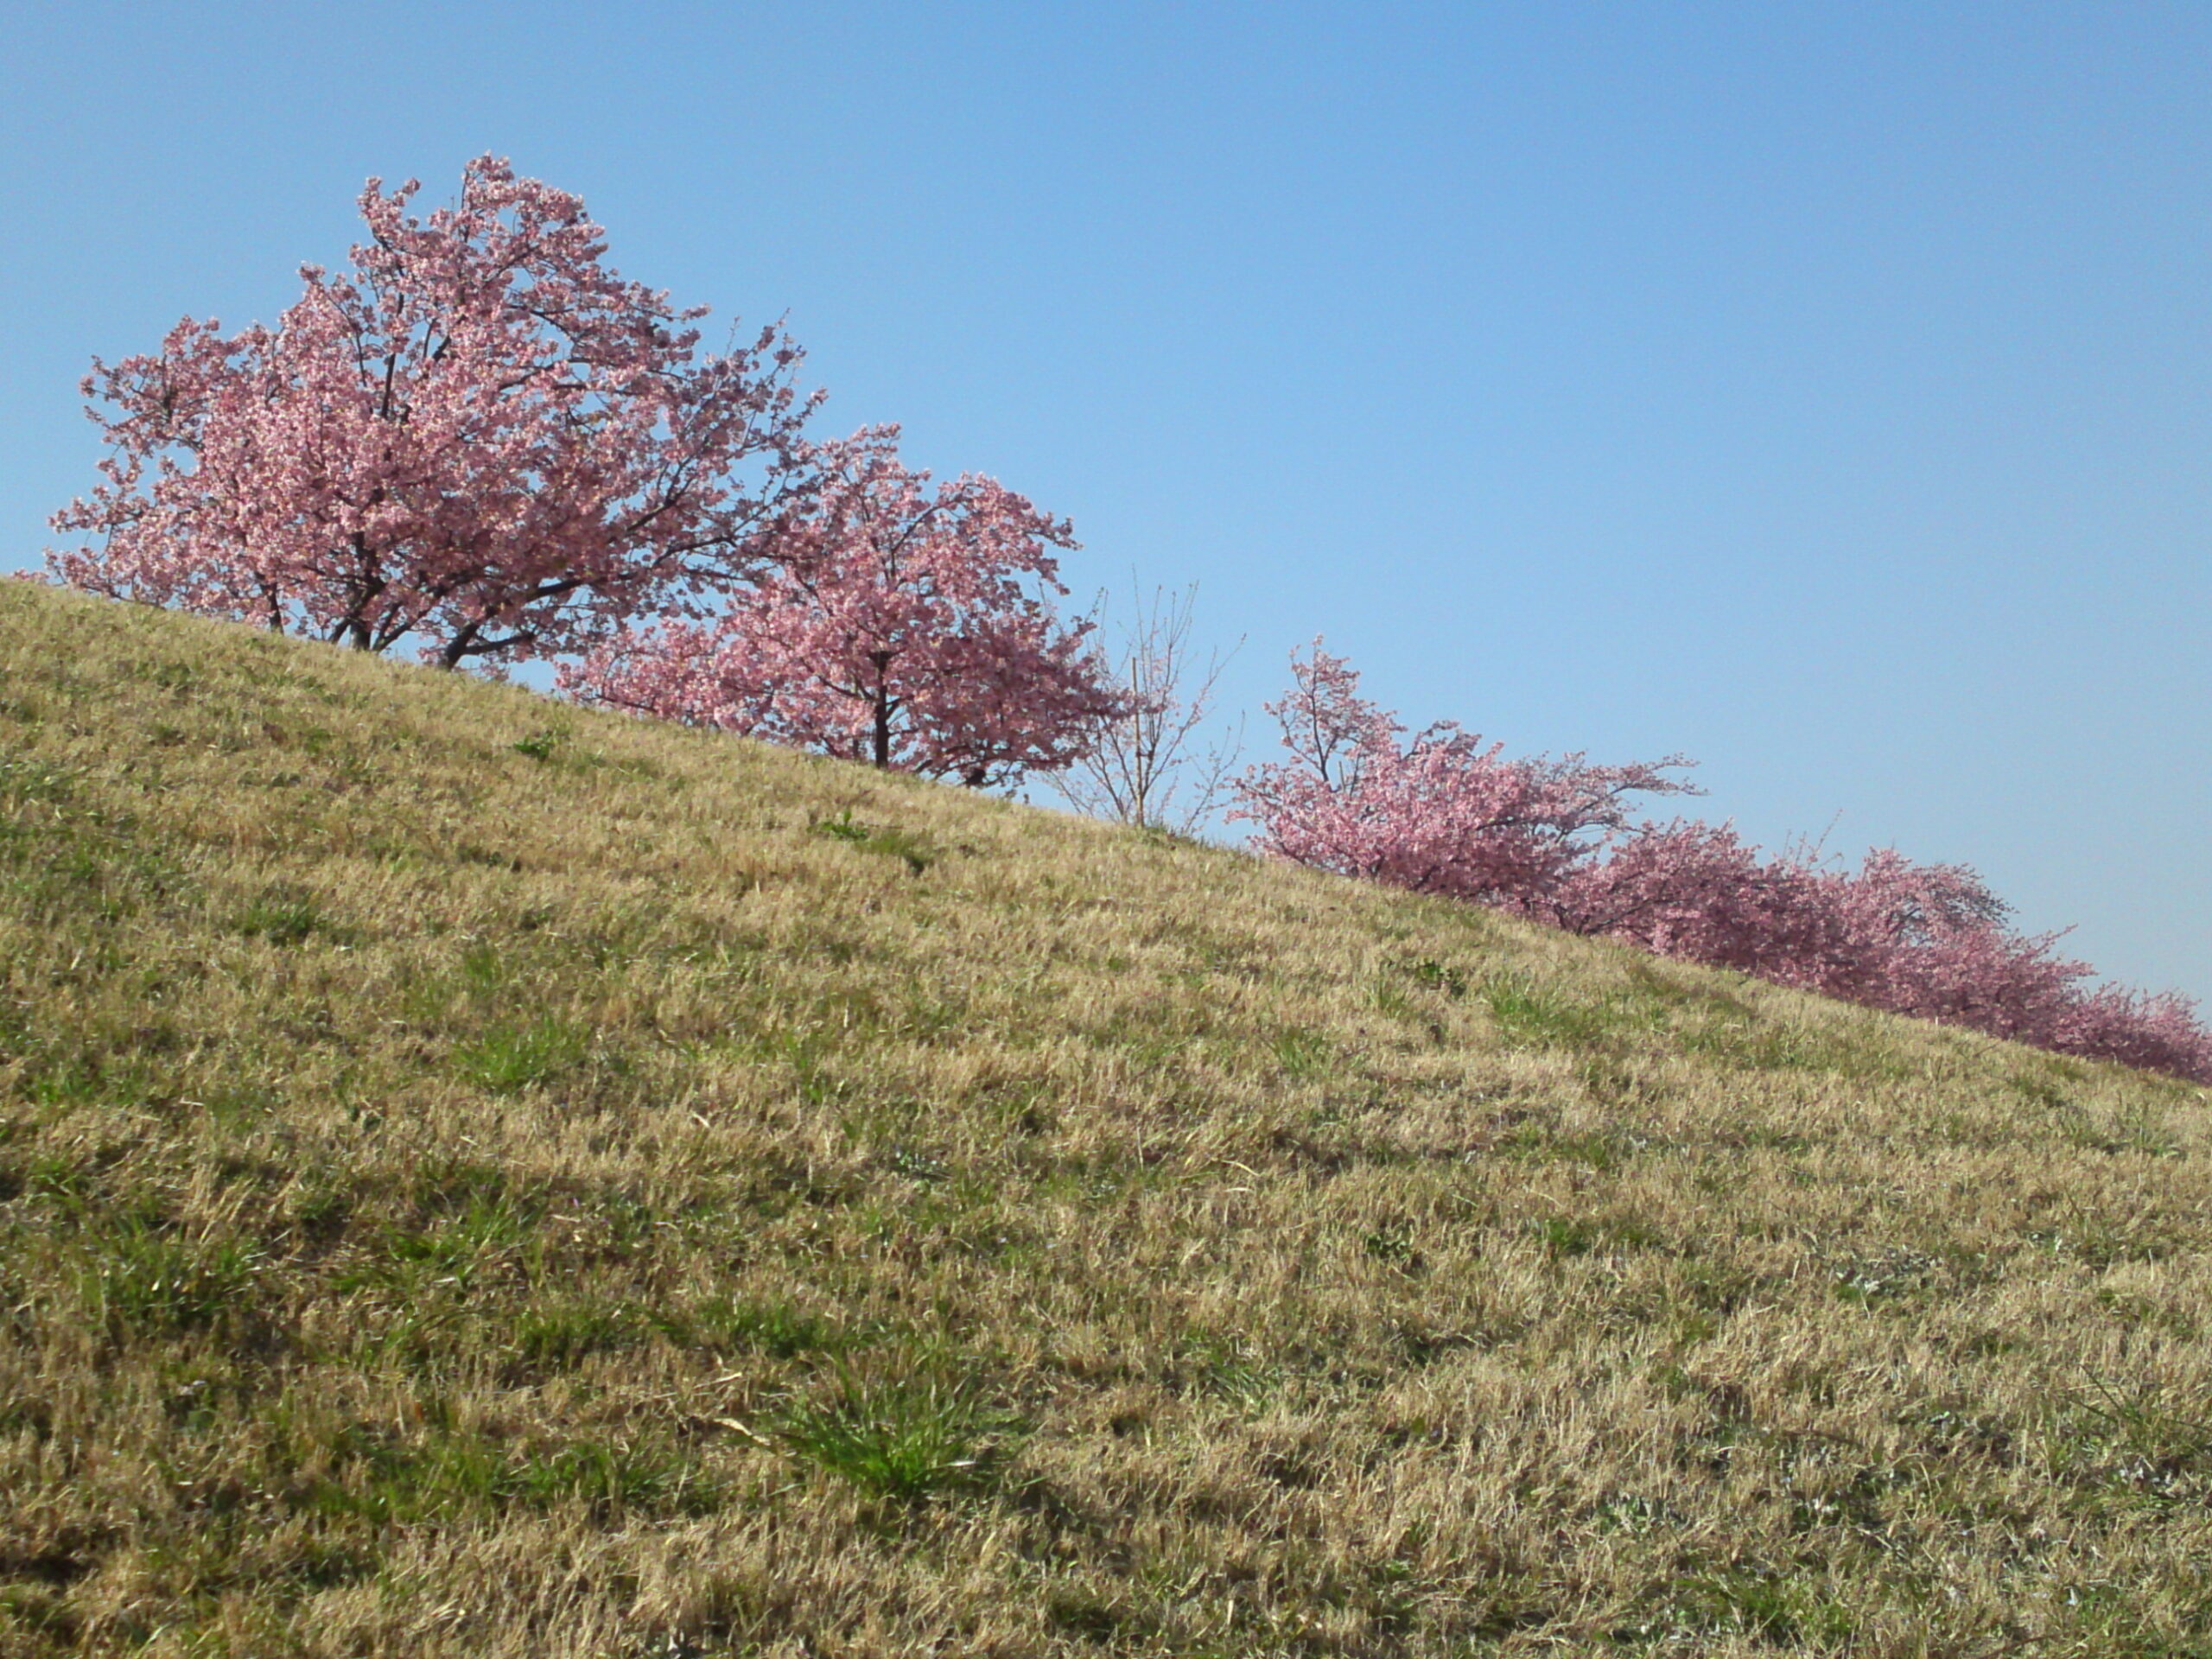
(510,1059)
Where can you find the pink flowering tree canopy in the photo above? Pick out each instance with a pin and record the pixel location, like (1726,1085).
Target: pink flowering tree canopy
(1443,813)
(477,436)
(907,626)
(1553,840)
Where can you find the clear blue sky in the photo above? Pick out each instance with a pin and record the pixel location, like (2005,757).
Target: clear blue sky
(1820,389)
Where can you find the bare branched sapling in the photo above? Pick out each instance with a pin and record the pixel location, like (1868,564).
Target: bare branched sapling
(1150,766)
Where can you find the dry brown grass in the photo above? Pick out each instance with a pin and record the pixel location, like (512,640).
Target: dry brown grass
(479,1178)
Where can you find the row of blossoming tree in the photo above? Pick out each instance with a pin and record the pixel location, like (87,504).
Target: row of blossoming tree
(1555,840)
(480,440)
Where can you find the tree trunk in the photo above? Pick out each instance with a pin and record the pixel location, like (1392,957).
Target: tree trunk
(882,661)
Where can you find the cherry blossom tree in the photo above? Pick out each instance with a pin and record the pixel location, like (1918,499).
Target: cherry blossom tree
(1444,813)
(1554,840)
(889,622)
(478,437)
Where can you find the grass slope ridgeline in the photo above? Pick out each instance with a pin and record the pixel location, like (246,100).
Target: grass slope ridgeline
(480,1177)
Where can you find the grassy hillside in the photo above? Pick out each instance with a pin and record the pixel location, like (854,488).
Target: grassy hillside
(481,1178)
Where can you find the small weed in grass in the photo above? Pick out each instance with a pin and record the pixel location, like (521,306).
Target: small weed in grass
(380,1478)
(1302,1053)
(1741,1039)
(142,1280)
(68,1183)
(562,1333)
(321,1208)
(611,1479)
(1390,1245)
(482,967)
(1224,1370)
(1744,1600)
(1438,976)
(907,1439)
(805,1049)
(1884,1277)
(449,1252)
(1388,998)
(1565,1235)
(1636,1515)
(39,1610)
(1586,1235)
(2098,1239)
(64,1080)
(512,1058)
(540,745)
(23,778)
(1539,1141)
(2140,1129)
(916,1166)
(775,1328)
(2147,1442)
(916,854)
(891,843)
(1094,1620)
(1528,1013)
(285,916)
(234,1105)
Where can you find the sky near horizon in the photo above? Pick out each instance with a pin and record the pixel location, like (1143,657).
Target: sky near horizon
(1818,390)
